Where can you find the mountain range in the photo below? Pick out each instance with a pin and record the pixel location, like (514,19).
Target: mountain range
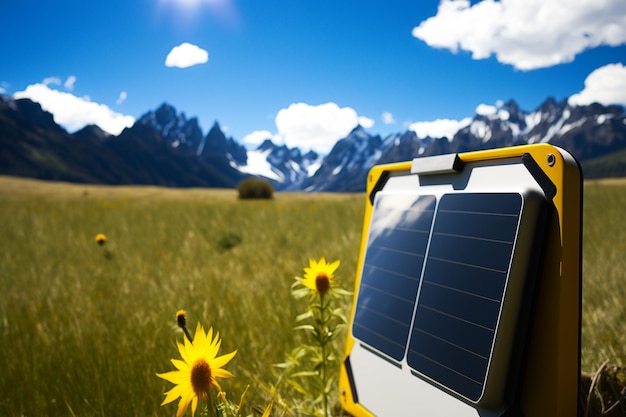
(165,147)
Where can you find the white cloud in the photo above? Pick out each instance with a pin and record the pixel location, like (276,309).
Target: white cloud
(605,85)
(121,98)
(527,34)
(486,110)
(51,81)
(69,82)
(257,137)
(387,118)
(73,112)
(186,55)
(366,122)
(317,127)
(440,128)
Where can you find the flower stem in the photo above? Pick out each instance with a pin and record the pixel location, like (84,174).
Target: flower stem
(187,334)
(323,340)
(209,403)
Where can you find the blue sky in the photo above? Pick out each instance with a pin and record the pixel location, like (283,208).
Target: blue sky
(305,72)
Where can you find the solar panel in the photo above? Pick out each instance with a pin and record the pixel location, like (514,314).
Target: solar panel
(398,240)
(462,289)
(433,281)
(461,302)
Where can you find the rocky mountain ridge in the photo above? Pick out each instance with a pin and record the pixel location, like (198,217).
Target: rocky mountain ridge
(164,147)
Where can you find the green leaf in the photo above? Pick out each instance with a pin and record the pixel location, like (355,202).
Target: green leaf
(299,293)
(307,327)
(340,292)
(304,316)
(305,374)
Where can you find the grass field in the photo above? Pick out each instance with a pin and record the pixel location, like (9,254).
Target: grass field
(84,328)
(604,274)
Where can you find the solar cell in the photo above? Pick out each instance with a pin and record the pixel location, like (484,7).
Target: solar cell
(397,242)
(463,288)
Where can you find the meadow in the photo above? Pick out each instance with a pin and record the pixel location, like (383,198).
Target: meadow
(85,327)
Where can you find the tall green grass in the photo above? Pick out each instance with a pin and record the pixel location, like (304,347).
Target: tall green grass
(84,328)
(604,275)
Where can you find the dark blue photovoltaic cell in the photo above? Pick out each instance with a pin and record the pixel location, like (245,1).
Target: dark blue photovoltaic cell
(397,242)
(462,289)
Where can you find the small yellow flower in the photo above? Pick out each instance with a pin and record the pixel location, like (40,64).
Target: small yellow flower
(319,275)
(181,318)
(101,239)
(197,372)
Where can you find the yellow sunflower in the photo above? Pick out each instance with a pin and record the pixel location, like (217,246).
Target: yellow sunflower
(101,239)
(319,275)
(197,372)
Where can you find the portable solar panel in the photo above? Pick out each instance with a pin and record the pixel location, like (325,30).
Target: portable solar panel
(462,257)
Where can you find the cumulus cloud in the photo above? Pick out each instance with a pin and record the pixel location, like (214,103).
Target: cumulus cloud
(486,110)
(527,34)
(317,127)
(121,98)
(387,118)
(254,139)
(69,82)
(440,128)
(186,55)
(605,85)
(366,122)
(51,81)
(73,112)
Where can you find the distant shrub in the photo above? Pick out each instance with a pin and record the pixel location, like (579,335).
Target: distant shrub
(255,188)
(228,241)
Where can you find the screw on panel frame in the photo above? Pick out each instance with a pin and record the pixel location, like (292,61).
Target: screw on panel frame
(551,159)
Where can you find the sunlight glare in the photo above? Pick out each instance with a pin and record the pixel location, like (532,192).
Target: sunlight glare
(190,4)
(186,12)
